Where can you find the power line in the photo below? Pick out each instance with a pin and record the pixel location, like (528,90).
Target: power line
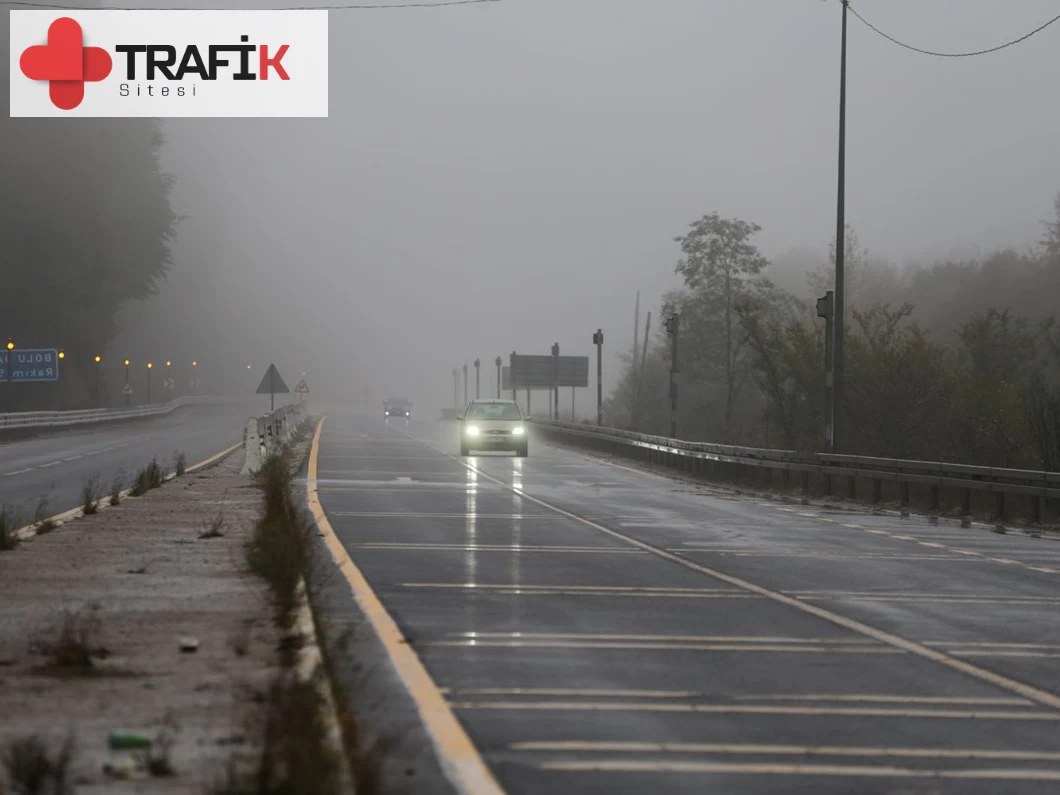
(339,7)
(952,54)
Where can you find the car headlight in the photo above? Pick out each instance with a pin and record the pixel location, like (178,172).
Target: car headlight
(472,430)
(518,430)
(406,414)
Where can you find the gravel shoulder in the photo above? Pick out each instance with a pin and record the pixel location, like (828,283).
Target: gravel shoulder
(141,578)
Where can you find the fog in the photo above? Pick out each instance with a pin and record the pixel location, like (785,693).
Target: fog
(498,177)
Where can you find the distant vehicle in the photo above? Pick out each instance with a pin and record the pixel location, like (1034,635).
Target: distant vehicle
(493,425)
(397,407)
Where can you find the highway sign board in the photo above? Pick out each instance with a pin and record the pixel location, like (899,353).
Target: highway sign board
(30,364)
(544,372)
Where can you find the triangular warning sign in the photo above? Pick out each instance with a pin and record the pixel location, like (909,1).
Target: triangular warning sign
(302,387)
(127,390)
(272,383)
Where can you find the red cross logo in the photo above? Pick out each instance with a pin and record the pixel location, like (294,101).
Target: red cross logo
(65,63)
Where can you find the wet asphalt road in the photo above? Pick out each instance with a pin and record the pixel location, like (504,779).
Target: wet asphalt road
(58,466)
(581,662)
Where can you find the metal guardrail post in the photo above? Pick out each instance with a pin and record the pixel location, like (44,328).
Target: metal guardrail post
(999,508)
(877,491)
(966,507)
(805,486)
(1036,509)
(852,487)
(903,488)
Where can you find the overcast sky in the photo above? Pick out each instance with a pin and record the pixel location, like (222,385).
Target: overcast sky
(501,176)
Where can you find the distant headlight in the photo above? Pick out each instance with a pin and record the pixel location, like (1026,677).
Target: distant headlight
(472,430)
(518,430)
(406,414)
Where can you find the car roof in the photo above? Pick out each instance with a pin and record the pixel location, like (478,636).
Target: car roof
(491,400)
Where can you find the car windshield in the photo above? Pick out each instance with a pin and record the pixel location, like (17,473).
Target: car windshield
(494,411)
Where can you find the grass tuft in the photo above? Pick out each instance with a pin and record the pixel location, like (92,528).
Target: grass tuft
(180,463)
(74,645)
(212,529)
(32,769)
(116,487)
(90,496)
(150,477)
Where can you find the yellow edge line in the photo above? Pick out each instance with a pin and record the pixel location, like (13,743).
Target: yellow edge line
(30,530)
(1038,695)
(459,758)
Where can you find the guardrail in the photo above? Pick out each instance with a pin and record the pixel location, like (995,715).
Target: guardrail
(883,474)
(267,433)
(61,419)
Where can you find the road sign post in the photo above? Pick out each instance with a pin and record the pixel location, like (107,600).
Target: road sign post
(272,384)
(598,341)
(465,384)
(555,379)
(826,309)
(497,362)
(302,388)
(478,372)
(456,389)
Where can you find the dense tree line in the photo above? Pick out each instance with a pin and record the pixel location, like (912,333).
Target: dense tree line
(954,361)
(86,226)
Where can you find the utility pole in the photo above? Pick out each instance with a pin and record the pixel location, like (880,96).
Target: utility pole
(497,362)
(672,324)
(456,390)
(826,309)
(478,393)
(638,376)
(598,341)
(838,370)
(555,376)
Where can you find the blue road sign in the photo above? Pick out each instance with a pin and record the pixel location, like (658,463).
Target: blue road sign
(31,364)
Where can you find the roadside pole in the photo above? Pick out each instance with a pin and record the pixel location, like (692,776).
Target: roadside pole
(672,324)
(826,309)
(555,379)
(478,382)
(497,362)
(598,341)
(456,390)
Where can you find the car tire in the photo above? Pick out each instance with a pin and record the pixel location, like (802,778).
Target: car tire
(522,451)
(464,450)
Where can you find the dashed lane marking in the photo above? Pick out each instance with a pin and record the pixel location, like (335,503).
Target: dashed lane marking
(756,709)
(786,750)
(650,766)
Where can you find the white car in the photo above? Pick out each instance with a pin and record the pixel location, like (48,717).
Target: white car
(493,425)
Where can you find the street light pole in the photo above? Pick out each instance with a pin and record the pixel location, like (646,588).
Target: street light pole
(497,362)
(478,372)
(150,366)
(456,391)
(128,389)
(10,371)
(99,401)
(465,384)
(598,341)
(840,251)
